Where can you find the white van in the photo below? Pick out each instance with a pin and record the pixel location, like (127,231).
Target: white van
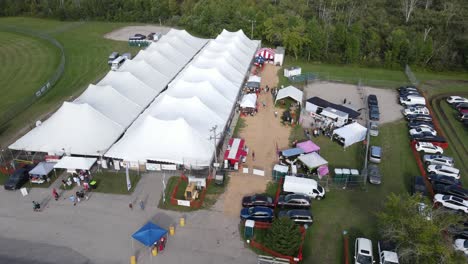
(117,63)
(304,186)
(412,100)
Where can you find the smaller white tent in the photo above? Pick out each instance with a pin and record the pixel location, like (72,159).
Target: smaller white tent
(254,78)
(313,160)
(249,101)
(351,133)
(291,92)
(75,163)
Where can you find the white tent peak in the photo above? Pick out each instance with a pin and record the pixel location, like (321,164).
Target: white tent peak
(291,92)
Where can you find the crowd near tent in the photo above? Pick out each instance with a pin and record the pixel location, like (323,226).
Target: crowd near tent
(175,128)
(97,118)
(351,134)
(291,92)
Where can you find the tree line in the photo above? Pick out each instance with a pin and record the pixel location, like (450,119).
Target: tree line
(389,33)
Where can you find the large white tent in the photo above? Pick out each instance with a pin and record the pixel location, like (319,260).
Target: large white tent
(176,126)
(351,133)
(291,92)
(98,117)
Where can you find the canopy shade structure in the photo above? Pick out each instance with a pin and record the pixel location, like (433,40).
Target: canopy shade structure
(75,128)
(312,160)
(267,53)
(249,101)
(291,152)
(323,170)
(149,234)
(254,78)
(351,133)
(75,163)
(291,92)
(308,146)
(42,168)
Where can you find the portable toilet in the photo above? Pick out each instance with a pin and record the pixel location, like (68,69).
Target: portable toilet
(354,175)
(249,229)
(279,171)
(338,175)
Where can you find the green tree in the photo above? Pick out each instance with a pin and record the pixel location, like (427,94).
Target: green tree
(284,237)
(418,239)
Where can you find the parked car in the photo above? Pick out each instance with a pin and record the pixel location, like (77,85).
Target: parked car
(427,147)
(409,93)
(374,113)
(419,186)
(363,251)
(456,99)
(416,124)
(412,100)
(438,160)
(294,201)
(460,105)
(421,130)
(451,190)
(257,200)
(463,117)
(463,111)
(407,87)
(299,216)
(114,55)
(387,252)
(416,111)
(375,154)
(372,100)
(444,170)
(458,232)
(373,172)
(461,245)
(442,179)
(257,213)
(18,178)
(451,202)
(374,128)
(429,138)
(424,118)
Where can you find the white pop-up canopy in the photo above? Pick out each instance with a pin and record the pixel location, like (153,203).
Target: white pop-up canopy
(254,78)
(291,92)
(351,133)
(42,168)
(75,163)
(249,101)
(313,160)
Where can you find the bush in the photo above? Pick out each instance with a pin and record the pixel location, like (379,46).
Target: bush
(284,237)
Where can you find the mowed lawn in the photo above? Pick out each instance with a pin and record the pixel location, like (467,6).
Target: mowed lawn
(28,62)
(86,52)
(354,210)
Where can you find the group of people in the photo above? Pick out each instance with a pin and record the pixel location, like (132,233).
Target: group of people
(80,179)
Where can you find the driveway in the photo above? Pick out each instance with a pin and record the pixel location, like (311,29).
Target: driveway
(99,230)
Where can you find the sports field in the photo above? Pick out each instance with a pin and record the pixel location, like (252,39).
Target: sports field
(86,53)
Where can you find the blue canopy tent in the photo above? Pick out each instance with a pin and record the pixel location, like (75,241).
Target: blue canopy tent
(149,233)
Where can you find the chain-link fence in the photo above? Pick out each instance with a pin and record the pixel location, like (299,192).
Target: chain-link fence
(410,75)
(23,103)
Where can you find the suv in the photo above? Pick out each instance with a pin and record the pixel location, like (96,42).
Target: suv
(294,201)
(299,216)
(452,202)
(452,190)
(456,99)
(18,178)
(363,251)
(375,154)
(444,170)
(374,113)
(422,131)
(438,160)
(442,179)
(372,100)
(427,147)
(416,111)
(257,200)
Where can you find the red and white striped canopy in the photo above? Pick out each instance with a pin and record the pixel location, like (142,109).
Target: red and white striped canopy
(267,53)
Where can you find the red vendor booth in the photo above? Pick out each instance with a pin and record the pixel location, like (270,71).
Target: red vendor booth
(235,153)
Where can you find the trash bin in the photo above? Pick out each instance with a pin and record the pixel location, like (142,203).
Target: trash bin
(93,184)
(249,229)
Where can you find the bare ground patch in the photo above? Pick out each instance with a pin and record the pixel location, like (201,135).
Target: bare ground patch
(122,34)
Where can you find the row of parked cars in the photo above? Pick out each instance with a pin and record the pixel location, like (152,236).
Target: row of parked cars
(460,104)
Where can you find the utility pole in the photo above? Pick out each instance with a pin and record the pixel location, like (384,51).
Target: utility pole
(253,22)
(213,129)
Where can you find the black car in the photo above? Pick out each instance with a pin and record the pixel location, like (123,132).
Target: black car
(423,134)
(452,190)
(430,138)
(416,117)
(374,113)
(419,186)
(298,216)
(416,124)
(372,100)
(407,88)
(443,179)
(18,178)
(257,200)
(294,201)
(460,105)
(408,92)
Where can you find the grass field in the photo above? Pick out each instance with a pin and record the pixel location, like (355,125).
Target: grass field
(30,62)
(115,182)
(86,53)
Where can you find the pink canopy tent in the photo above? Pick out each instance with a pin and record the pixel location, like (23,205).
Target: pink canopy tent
(322,171)
(308,146)
(267,53)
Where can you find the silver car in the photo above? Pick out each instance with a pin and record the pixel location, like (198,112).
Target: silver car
(374,128)
(438,160)
(375,154)
(373,172)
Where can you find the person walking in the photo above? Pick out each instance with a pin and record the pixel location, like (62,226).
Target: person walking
(253,155)
(130,205)
(55,194)
(142,205)
(276,114)
(73,199)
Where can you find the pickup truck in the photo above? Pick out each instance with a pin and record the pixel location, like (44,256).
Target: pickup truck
(387,254)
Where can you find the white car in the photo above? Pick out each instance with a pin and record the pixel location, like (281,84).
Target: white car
(444,170)
(428,147)
(456,99)
(452,202)
(363,251)
(421,130)
(461,245)
(416,111)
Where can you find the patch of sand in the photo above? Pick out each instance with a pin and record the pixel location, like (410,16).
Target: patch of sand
(122,34)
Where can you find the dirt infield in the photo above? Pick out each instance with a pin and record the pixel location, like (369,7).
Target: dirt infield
(262,134)
(336,93)
(122,34)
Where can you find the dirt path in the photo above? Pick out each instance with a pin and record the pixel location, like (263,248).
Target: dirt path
(263,134)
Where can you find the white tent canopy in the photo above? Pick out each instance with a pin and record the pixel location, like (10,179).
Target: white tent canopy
(254,78)
(75,163)
(351,133)
(249,101)
(313,160)
(291,92)
(42,168)
(159,62)
(147,74)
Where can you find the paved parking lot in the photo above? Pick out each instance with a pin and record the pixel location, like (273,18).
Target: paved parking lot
(99,230)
